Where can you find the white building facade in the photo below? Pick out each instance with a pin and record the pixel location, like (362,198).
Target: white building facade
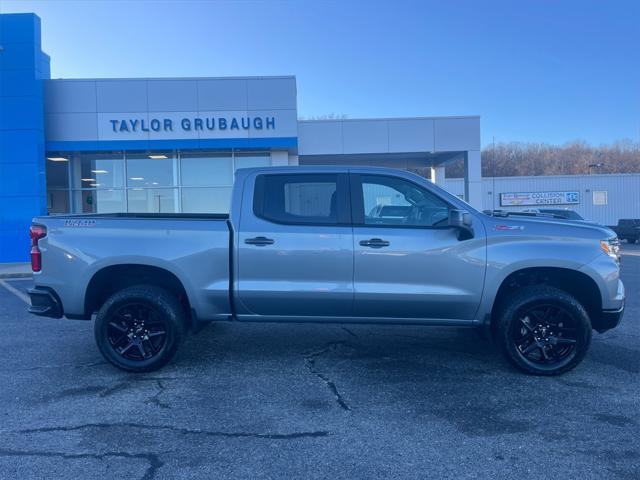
(172,145)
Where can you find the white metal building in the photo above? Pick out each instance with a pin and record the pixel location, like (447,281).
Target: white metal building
(601,198)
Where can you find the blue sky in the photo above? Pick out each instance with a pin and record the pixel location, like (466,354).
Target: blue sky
(538,71)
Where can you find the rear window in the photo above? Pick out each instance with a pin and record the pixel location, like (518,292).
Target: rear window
(297,199)
(629,222)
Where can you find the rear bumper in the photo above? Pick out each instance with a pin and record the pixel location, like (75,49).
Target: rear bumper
(610,319)
(45,303)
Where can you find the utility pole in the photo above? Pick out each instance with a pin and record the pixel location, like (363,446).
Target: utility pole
(493,173)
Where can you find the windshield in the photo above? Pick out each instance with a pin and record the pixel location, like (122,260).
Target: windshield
(568,214)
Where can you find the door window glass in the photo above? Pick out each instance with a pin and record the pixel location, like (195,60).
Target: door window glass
(394,201)
(303,199)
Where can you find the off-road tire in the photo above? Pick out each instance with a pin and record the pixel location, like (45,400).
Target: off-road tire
(512,322)
(164,314)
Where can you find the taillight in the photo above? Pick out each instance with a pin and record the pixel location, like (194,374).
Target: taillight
(36,232)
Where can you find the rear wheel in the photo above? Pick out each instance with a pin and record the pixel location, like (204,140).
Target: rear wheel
(140,328)
(543,330)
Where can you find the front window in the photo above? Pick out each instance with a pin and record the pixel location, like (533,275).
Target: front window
(395,201)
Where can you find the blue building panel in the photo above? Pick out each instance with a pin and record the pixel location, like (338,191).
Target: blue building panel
(17,83)
(18,56)
(23,65)
(23,112)
(20,28)
(175,144)
(19,146)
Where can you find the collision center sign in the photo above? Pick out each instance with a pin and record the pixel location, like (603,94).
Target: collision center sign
(539,198)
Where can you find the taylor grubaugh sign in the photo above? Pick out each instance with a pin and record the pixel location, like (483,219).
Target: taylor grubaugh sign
(539,198)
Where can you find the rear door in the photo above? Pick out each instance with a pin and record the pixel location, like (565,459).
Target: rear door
(407,263)
(295,246)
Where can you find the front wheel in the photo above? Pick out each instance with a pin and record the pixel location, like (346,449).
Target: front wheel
(543,330)
(140,328)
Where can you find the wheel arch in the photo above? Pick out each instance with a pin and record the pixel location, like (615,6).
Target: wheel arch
(110,279)
(576,283)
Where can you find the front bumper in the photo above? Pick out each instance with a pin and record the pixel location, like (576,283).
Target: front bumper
(610,319)
(45,302)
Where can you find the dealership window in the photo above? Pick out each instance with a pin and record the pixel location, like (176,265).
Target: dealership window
(206,180)
(57,173)
(250,160)
(152,200)
(98,201)
(154,182)
(98,171)
(600,197)
(151,170)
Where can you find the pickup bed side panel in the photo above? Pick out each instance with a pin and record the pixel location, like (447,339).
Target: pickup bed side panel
(195,251)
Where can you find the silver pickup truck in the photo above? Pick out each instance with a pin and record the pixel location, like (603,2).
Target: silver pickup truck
(330,244)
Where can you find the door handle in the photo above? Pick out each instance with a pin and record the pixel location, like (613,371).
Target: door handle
(374,243)
(259,241)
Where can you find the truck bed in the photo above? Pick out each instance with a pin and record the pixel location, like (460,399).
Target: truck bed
(193,247)
(152,216)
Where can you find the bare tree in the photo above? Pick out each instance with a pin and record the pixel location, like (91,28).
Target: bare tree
(574,158)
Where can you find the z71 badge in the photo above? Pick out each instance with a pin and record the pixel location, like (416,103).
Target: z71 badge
(79,223)
(508,227)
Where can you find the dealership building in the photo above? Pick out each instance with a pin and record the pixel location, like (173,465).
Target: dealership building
(173,144)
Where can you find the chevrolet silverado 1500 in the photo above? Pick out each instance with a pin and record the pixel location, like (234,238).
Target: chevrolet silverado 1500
(330,244)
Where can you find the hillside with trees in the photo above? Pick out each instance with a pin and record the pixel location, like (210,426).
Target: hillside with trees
(519,159)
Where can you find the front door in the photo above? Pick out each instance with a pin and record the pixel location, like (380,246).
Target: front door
(295,247)
(407,263)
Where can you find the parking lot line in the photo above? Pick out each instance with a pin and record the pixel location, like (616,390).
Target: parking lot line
(16,292)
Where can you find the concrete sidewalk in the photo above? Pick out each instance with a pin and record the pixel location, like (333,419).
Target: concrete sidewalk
(15,270)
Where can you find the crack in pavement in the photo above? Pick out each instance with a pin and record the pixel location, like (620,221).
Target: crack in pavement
(349,331)
(64,365)
(107,391)
(155,399)
(181,430)
(154,461)
(310,362)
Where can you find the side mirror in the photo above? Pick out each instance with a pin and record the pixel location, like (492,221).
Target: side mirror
(462,221)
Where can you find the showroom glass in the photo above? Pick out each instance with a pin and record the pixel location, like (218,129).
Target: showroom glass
(394,201)
(206,180)
(297,199)
(98,201)
(152,170)
(250,160)
(206,169)
(99,170)
(152,200)
(57,175)
(154,182)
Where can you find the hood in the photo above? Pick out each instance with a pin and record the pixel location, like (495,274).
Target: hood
(546,227)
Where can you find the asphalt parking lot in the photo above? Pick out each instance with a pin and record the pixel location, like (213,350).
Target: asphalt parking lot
(292,401)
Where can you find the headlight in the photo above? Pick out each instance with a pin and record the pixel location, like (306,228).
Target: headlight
(611,247)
